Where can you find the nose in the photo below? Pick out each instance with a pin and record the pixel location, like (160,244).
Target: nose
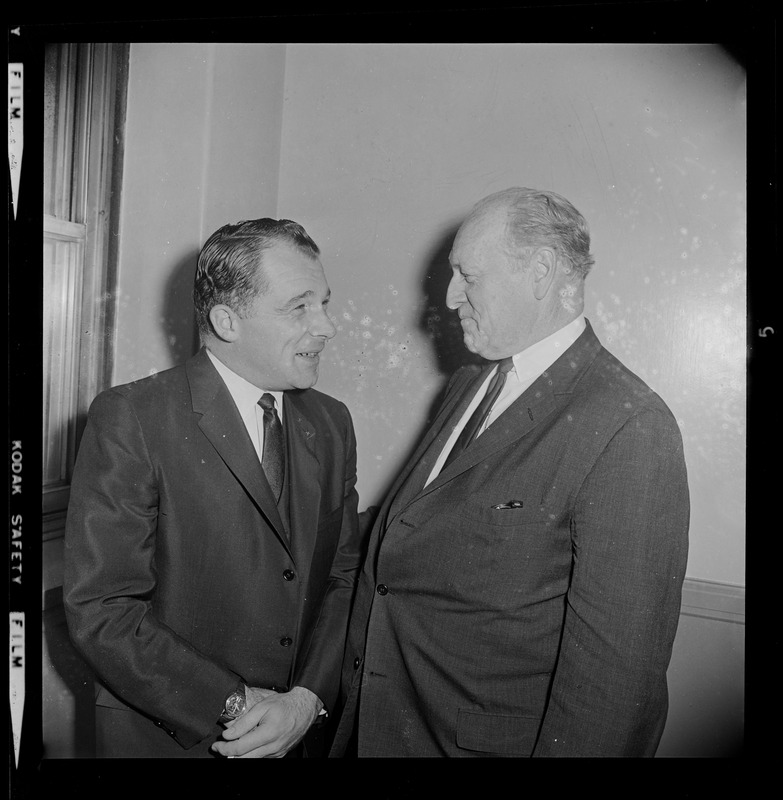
(322,326)
(455,293)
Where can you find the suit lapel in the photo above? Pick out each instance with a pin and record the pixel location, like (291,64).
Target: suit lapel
(223,427)
(303,472)
(423,460)
(530,409)
(524,414)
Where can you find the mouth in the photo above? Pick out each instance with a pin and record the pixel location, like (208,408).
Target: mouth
(310,355)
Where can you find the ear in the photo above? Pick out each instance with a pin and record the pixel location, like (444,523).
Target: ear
(543,264)
(225,323)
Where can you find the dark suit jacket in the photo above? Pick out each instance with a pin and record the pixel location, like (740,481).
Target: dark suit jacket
(542,630)
(180,578)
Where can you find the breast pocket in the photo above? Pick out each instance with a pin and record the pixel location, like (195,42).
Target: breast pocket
(504,514)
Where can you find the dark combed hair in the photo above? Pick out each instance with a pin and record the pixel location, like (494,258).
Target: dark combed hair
(230,265)
(537,218)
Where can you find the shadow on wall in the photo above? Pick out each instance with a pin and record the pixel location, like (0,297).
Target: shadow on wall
(442,329)
(439,323)
(179,318)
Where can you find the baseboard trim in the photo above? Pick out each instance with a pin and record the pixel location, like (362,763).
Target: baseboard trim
(708,599)
(723,602)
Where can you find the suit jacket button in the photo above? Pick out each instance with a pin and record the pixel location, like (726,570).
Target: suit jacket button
(288,575)
(286,641)
(357,662)
(382,588)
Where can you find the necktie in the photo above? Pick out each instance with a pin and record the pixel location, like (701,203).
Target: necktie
(473,426)
(273,459)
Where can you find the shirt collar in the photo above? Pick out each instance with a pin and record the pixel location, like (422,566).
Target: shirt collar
(245,394)
(537,358)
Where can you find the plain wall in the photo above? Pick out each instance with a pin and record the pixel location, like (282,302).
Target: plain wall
(202,149)
(386,147)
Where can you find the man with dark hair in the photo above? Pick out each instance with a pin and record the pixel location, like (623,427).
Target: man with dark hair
(212,538)
(522,588)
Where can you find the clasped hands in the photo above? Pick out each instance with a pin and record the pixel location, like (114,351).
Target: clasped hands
(272,724)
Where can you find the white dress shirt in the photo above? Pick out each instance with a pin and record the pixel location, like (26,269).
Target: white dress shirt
(246,396)
(528,365)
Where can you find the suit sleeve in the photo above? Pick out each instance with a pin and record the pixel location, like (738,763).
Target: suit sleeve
(321,665)
(629,539)
(110,580)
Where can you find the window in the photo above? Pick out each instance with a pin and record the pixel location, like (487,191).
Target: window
(84,96)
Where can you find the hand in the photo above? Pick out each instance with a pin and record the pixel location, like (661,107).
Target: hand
(253,695)
(272,725)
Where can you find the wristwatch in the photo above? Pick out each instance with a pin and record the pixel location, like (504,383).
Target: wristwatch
(235,705)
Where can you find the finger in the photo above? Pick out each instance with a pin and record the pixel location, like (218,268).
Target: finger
(244,749)
(263,742)
(238,728)
(238,749)
(265,736)
(260,752)
(242,725)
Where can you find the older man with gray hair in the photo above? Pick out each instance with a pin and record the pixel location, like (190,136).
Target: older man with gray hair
(522,589)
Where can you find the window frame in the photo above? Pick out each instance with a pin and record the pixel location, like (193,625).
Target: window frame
(82,186)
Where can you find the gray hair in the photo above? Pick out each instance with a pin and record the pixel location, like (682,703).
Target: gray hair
(537,218)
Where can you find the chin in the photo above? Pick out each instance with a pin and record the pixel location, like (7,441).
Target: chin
(473,347)
(306,383)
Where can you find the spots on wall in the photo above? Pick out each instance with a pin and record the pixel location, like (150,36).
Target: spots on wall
(382,363)
(681,326)
(378,344)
